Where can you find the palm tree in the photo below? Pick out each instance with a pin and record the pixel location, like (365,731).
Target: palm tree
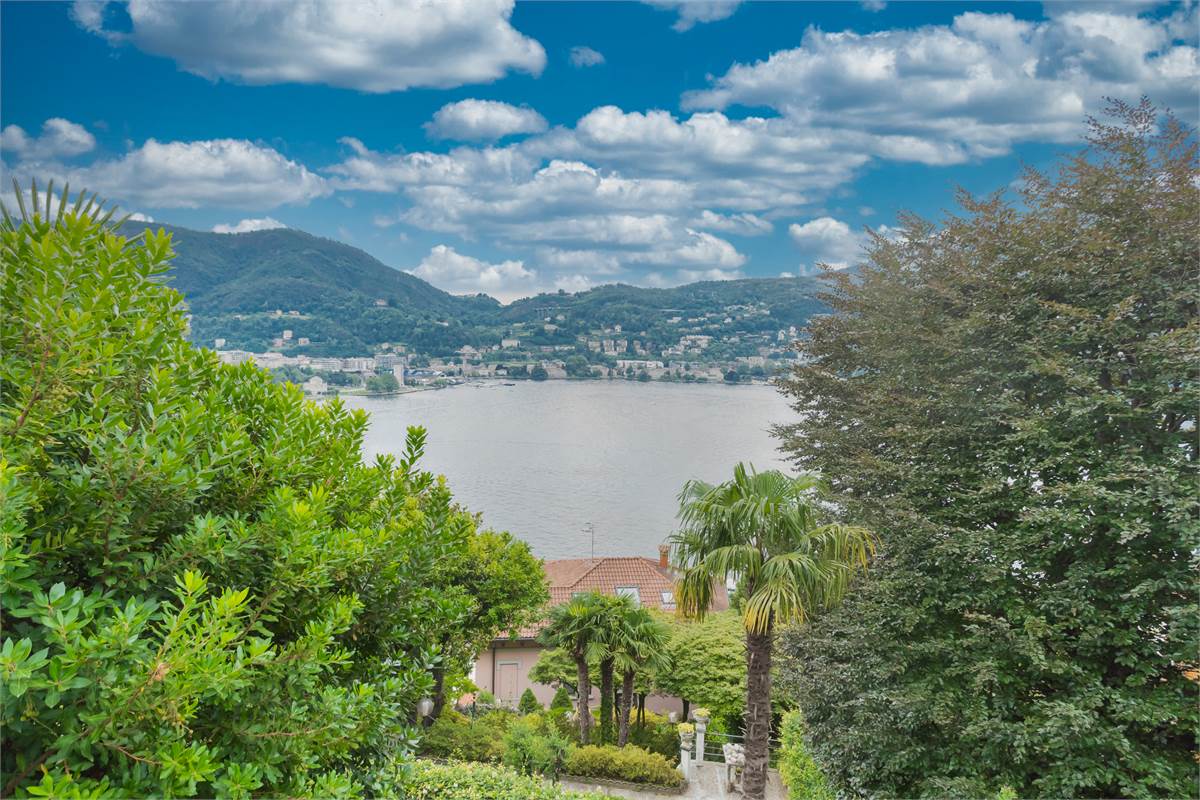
(607,646)
(578,627)
(764,530)
(641,641)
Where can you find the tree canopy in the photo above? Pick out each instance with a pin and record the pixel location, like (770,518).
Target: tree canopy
(1010,398)
(205,591)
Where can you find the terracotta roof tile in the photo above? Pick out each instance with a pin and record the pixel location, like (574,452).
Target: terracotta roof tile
(571,576)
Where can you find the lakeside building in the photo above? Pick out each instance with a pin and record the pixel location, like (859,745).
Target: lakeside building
(503,668)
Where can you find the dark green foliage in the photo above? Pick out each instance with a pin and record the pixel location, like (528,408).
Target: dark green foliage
(382,384)
(528,704)
(800,773)
(205,591)
(454,735)
(1010,400)
(627,763)
(538,373)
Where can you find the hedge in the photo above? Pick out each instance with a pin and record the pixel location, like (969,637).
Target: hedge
(467,781)
(800,773)
(627,763)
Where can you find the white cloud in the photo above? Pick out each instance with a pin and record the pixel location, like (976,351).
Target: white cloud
(472,119)
(746,224)
(873,5)
(692,12)
(828,240)
(371,46)
(946,93)
(462,274)
(138,216)
(248,225)
(60,138)
(582,56)
(227,173)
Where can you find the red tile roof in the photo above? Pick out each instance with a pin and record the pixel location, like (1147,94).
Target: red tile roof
(571,576)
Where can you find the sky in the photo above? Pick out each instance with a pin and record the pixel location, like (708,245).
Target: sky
(537,146)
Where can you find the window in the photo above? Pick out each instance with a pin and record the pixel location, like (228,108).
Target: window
(630,591)
(668,598)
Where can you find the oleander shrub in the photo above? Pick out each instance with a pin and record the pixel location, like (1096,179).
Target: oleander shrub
(800,773)
(627,763)
(462,781)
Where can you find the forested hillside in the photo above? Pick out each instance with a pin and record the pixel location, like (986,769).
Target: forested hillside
(349,302)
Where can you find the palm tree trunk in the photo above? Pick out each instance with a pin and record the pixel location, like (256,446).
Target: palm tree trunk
(583,694)
(606,701)
(626,705)
(758,713)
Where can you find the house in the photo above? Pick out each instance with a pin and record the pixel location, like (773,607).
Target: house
(503,668)
(315,385)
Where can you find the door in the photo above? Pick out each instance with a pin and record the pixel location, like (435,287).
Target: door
(506,682)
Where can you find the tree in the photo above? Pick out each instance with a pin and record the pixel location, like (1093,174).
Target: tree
(382,384)
(538,373)
(528,704)
(765,529)
(575,627)
(639,643)
(577,366)
(561,701)
(505,587)
(707,661)
(732,376)
(1010,399)
(205,591)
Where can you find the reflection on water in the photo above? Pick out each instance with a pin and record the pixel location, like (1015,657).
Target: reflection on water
(544,459)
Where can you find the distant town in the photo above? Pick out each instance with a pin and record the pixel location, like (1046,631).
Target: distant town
(708,348)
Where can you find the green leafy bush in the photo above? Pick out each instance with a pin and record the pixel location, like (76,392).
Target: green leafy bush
(534,746)
(800,773)
(627,763)
(457,736)
(205,591)
(561,701)
(708,666)
(461,781)
(528,704)
(657,737)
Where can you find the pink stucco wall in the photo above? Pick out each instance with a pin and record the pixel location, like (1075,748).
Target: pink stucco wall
(520,657)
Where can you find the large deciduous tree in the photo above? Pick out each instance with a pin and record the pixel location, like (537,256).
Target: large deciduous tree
(767,530)
(1010,399)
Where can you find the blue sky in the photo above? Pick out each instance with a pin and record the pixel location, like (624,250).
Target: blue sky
(515,149)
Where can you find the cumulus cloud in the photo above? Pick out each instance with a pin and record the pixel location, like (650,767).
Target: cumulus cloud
(480,120)
(457,273)
(248,225)
(371,46)
(827,240)
(946,93)
(138,216)
(692,12)
(60,138)
(585,57)
(227,173)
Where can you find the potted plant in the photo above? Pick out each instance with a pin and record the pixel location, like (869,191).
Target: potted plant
(686,733)
(702,716)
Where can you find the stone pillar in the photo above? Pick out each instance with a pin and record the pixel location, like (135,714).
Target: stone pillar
(685,763)
(700,729)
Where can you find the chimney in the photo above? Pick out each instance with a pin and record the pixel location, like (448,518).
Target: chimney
(664,556)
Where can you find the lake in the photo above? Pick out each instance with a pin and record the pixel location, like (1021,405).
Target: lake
(543,460)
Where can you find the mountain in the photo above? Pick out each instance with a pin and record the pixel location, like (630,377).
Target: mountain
(346,302)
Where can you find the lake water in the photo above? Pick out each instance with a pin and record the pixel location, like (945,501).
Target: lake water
(542,460)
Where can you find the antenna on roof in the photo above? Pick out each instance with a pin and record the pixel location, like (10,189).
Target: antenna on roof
(591,532)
